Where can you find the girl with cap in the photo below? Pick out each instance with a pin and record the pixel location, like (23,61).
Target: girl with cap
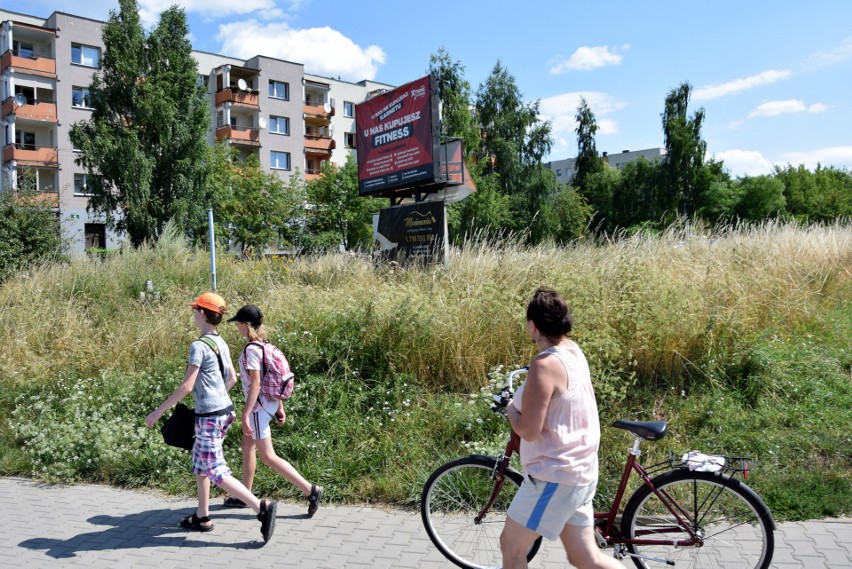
(209,376)
(259,411)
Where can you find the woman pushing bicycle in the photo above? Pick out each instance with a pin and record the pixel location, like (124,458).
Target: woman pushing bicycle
(555,413)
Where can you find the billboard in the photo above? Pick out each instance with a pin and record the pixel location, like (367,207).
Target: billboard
(412,231)
(397,137)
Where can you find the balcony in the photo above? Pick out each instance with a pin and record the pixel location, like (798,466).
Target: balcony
(237,135)
(237,97)
(318,144)
(33,65)
(30,155)
(312,174)
(47,198)
(35,109)
(316,114)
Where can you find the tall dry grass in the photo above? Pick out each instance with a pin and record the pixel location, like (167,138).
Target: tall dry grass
(670,308)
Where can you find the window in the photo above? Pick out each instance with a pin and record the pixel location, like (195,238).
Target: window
(280,160)
(25,140)
(80,97)
(83,185)
(349,140)
(95,235)
(279,125)
(85,55)
(279,90)
(348,109)
(23,49)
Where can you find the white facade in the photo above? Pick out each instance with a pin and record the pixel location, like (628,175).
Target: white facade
(343,98)
(564,169)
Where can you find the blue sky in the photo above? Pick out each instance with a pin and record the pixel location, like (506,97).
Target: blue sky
(774,77)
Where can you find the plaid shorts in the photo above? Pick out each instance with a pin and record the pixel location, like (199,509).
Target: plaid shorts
(208,457)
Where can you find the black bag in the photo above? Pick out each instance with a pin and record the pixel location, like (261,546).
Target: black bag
(179,430)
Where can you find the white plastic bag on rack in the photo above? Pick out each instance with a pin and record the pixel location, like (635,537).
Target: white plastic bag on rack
(697,460)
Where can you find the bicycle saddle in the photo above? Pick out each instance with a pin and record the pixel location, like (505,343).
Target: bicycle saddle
(648,430)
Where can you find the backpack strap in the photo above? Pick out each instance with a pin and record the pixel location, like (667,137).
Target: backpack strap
(213,346)
(262,356)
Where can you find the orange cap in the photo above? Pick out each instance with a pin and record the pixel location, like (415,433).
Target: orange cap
(211,301)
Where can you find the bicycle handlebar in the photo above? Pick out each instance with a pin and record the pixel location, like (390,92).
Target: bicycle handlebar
(502,399)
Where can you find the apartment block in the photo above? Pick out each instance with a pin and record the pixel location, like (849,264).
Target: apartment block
(293,121)
(564,169)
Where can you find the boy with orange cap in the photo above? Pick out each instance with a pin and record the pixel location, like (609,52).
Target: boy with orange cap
(209,376)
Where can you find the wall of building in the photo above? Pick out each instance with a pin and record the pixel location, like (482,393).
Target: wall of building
(564,169)
(261,69)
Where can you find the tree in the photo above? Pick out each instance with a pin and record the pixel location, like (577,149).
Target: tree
(145,144)
(29,232)
(454,93)
(337,215)
(484,213)
(588,161)
(822,195)
(598,193)
(761,197)
(567,215)
(514,138)
(256,210)
(637,199)
(685,151)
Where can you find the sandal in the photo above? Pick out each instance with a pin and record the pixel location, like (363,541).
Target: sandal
(193,523)
(267,518)
(232,502)
(314,499)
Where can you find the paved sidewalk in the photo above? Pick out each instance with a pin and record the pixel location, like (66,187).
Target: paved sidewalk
(103,527)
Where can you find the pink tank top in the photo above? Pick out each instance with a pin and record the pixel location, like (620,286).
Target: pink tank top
(567,450)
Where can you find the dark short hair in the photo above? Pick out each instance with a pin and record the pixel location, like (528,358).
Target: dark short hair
(214,318)
(550,313)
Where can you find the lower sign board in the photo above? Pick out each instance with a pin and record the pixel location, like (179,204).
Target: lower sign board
(413,231)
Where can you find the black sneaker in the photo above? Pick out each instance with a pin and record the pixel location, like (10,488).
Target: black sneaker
(267,518)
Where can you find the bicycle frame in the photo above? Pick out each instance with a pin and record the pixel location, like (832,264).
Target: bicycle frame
(607,530)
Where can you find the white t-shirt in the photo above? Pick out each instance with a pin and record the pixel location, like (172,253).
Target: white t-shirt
(252,359)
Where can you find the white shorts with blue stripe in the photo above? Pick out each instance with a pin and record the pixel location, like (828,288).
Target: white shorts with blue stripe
(547,507)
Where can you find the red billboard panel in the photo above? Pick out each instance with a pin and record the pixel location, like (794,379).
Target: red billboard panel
(397,138)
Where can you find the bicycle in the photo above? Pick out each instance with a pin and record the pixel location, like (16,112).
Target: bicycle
(677,516)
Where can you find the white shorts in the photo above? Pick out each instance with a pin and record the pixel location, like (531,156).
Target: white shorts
(260,420)
(547,507)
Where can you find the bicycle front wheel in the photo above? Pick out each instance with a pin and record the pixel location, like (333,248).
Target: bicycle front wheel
(732,523)
(452,498)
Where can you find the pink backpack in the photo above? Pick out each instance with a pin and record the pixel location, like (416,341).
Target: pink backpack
(276,379)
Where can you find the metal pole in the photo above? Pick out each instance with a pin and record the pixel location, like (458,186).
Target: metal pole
(212,239)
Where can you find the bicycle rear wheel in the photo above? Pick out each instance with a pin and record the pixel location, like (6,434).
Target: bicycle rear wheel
(453,495)
(734,524)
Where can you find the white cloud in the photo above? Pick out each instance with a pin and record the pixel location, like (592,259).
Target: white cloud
(323,51)
(731,87)
(585,59)
(775,108)
(561,109)
(745,162)
(839,54)
(837,156)
(149,10)
(753,163)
